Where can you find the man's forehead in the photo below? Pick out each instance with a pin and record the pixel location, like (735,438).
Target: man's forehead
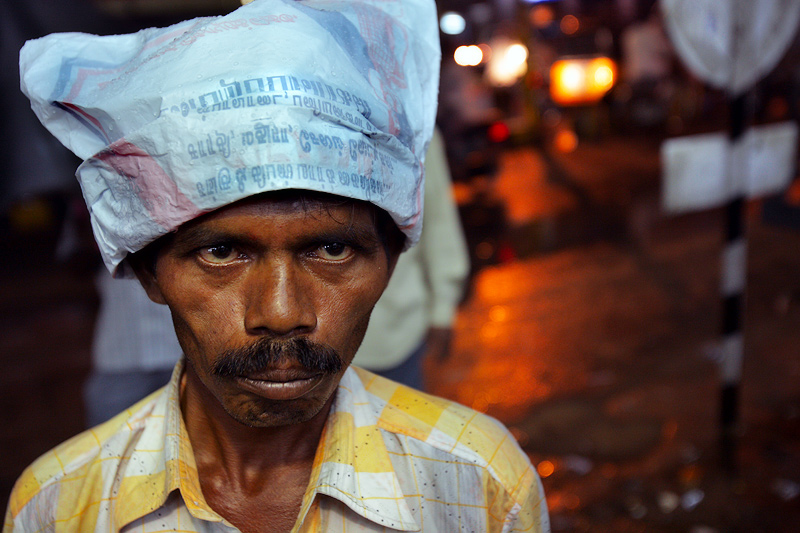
(293,201)
(291,209)
(303,199)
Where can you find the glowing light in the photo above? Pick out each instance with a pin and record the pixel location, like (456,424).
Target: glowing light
(452,23)
(498,132)
(603,72)
(498,313)
(569,24)
(546,468)
(573,78)
(541,16)
(581,80)
(516,54)
(468,56)
(566,141)
(462,193)
(506,253)
(603,76)
(508,62)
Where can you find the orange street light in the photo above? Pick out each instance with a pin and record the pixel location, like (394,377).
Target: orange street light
(575,81)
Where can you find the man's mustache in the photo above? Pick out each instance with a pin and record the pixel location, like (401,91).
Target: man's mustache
(265,352)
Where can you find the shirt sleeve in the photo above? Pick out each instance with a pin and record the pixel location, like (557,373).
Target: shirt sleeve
(8,524)
(36,514)
(444,252)
(532,515)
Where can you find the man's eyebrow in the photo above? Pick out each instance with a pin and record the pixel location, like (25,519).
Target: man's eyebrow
(357,235)
(190,238)
(354,234)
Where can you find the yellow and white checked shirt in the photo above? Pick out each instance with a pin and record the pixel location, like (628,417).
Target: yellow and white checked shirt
(390,458)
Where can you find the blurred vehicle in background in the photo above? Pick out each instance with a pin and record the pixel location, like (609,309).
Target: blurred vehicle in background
(466,112)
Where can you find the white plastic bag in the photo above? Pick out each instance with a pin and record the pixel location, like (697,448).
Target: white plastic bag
(332,96)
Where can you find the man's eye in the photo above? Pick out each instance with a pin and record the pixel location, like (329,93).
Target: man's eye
(334,251)
(218,254)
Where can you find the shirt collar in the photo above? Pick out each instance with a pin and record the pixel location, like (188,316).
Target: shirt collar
(351,464)
(163,454)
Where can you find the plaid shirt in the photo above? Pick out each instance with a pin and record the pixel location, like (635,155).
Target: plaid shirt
(390,458)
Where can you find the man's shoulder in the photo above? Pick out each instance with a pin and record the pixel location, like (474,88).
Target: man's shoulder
(449,427)
(77,461)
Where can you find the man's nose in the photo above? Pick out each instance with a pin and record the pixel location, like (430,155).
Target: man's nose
(279,300)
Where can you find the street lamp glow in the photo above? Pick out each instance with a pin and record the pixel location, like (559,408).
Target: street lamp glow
(468,56)
(573,77)
(516,54)
(452,23)
(508,62)
(576,81)
(603,75)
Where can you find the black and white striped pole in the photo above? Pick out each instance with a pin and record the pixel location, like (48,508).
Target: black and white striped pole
(732,288)
(712,170)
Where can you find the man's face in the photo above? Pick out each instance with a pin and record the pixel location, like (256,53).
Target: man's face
(271,298)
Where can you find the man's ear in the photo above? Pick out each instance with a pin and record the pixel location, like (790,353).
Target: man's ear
(392,255)
(392,238)
(144,266)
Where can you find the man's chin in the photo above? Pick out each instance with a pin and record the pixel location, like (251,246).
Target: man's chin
(270,414)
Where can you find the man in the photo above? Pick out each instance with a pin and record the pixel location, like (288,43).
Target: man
(260,173)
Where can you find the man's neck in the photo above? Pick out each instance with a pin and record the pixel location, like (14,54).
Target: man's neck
(243,452)
(253,477)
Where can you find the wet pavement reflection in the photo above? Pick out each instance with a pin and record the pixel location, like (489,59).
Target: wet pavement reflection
(598,350)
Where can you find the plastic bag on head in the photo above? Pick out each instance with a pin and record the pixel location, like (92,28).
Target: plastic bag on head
(326,95)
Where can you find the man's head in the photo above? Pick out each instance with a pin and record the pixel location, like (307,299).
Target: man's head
(271,297)
(197,138)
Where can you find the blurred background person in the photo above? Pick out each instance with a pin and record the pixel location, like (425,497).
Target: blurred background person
(414,317)
(134,348)
(647,67)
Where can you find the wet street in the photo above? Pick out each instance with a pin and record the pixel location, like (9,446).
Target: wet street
(590,329)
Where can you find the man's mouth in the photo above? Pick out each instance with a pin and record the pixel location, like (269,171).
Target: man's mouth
(280,384)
